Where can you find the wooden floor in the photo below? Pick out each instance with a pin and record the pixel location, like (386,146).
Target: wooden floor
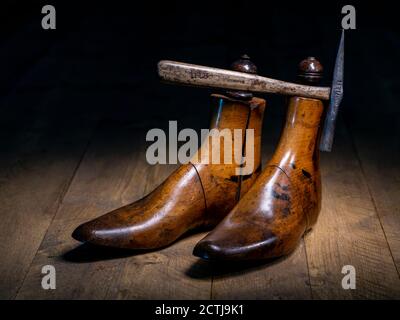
(54,180)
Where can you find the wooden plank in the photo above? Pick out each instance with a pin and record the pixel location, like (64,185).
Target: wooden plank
(101,183)
(376,136)
(379,153)
(171,273)
(113,173)
(285,278)
(37,164)
(348,232)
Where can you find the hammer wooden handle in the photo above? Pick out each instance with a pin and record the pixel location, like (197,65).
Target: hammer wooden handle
(195,75)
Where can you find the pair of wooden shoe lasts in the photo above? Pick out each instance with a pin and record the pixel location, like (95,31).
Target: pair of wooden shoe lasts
(257,216)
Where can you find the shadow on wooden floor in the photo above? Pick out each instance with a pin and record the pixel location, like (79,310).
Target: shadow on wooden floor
(203,269)
(86,253)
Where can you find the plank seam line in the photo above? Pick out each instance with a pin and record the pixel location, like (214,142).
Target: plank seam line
(308,268)
(58,205)
(116,275)
(371,196)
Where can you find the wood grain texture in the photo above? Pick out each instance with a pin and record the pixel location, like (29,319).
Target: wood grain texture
(379,155)
(282,279)
(112,173)
(100,184)
(202,76)
(196,195)
(348,233)
(169,273)
(286,278)
(37,165)
(284,201)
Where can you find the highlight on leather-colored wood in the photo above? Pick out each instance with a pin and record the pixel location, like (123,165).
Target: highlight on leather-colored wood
(284,201)
(195,195)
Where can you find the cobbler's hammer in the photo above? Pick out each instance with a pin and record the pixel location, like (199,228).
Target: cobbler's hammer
(203,76)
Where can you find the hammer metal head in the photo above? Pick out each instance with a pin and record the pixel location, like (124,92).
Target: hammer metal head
(335,99)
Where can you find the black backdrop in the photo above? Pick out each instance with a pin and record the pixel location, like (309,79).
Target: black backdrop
(114,46)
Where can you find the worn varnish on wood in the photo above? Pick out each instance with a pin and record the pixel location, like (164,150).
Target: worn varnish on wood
(202,76)
(195,195)
(284,202)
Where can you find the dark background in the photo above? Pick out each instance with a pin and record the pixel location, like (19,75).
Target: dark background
(102,58)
